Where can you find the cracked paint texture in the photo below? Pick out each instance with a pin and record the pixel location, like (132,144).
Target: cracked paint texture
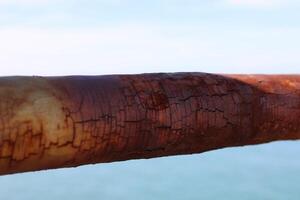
(52,122)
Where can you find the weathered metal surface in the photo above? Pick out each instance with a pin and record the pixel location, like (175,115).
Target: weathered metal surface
(53,122)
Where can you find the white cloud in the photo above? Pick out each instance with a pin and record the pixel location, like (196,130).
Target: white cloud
(257,3)
(140,48)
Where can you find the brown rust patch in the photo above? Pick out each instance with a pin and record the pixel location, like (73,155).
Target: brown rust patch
(68,121)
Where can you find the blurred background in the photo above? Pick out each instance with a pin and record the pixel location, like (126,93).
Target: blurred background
(95,37)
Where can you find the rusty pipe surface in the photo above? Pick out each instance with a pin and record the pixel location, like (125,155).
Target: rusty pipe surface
(53,122)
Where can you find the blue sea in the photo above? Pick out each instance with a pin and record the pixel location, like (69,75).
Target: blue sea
(269,171)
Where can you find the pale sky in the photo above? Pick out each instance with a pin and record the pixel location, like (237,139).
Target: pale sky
(43,37)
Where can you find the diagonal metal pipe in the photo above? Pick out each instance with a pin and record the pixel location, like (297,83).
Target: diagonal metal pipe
(53,122)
